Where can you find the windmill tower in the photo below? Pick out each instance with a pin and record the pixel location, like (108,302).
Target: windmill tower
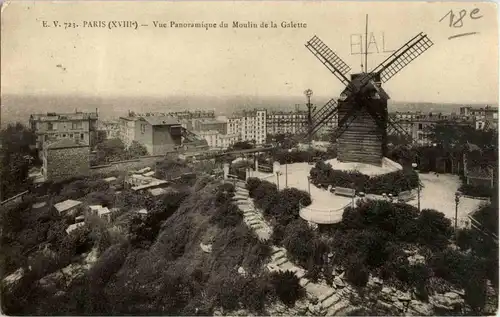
(363,121)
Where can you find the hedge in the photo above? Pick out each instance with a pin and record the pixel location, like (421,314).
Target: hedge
(477,191)
(391,183)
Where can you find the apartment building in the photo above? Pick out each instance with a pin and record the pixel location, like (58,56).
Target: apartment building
(158,134)
(283,122)
(417,124)
(484,118)
(291,122)
(79,126)
(217,140)
(210,124)
(110,129)
(180,115)
(249,125)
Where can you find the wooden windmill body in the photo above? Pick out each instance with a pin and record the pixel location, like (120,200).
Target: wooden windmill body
(363,121)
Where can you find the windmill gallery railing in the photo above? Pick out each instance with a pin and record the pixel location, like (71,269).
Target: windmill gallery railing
(322,216)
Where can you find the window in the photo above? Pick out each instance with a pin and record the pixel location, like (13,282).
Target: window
(81,136)
(143,128)
(51,126)
(420,126)
(76,125)
(64,135)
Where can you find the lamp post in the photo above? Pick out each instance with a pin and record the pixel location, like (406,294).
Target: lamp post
(309,184)
(286,175)
(352,186)
(278,179)
(457,200)
(414,165)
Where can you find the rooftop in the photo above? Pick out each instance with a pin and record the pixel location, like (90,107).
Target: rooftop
(157,191)
(74,227)
(52,116)
(67,204)
(142,211)
(103,211)
(162,120)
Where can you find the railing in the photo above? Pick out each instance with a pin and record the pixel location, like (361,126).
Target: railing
(321,216)
(20,195)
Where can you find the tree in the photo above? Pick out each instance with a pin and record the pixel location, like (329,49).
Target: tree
(449,134)
(16,155)
(110,150)
(243,145)
(136,150)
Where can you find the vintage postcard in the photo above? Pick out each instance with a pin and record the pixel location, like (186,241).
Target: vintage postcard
(234,158)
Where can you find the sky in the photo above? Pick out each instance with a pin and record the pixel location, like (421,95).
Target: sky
(222,62)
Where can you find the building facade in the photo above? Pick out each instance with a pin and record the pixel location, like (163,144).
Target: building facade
(216,140)
(64,159)
(484,118)
(158,134)
(418,124)
(284,122)
(110,129)
(210,125)
(78,126)
(251,125)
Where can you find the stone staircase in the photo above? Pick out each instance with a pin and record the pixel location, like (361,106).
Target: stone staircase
(331,300)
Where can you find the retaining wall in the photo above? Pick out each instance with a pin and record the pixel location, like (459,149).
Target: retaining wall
(127,165)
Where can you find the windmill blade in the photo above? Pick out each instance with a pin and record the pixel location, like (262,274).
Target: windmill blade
(394,126)
(326,56)
(319,118)
(345,122)
(402,57)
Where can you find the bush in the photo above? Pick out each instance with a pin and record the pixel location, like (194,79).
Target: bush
(434,229)
(227,215)
(391,183)
(356,272)
(487,215)
(455,266)
(287,287)
(252,184)
(297,241)
(477,191)
(399,220)
(256,292)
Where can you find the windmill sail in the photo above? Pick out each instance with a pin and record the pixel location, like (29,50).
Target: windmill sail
(326,56)
(324,114)
(402,57)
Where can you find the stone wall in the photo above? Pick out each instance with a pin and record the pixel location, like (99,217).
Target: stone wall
(67,162)
(147,161)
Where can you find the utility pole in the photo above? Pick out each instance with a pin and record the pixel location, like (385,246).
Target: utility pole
(308,93)
(366,45)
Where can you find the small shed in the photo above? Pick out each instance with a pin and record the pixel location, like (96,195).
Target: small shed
(74,227)
(110,179)
(157,191)
(67,206)
(94,210)
(105,213)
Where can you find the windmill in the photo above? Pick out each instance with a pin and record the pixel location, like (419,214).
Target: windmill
(363,120)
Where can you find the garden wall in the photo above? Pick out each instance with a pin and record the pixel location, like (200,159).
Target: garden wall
(128,165)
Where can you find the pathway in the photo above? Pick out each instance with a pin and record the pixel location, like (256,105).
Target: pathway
(332,300)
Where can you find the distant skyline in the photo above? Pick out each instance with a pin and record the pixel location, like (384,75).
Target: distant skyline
(156,62)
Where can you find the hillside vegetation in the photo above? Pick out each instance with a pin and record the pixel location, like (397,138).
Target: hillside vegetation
(191,255)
